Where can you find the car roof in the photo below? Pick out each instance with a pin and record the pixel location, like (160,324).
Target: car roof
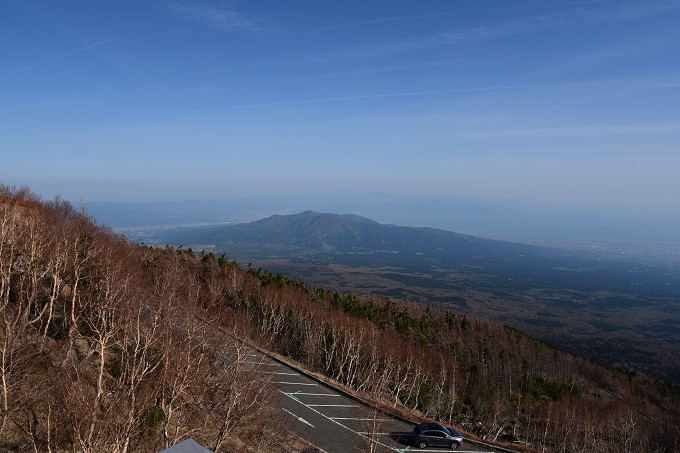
(437,427)
(426,426)
(431,427)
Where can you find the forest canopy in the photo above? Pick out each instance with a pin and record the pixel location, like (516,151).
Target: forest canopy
(110,346)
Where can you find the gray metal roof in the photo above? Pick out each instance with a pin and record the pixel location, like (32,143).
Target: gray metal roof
(187,446)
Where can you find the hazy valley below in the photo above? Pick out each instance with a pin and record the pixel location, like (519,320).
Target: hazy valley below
(616,303)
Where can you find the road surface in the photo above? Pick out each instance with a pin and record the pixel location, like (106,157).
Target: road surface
(331,421)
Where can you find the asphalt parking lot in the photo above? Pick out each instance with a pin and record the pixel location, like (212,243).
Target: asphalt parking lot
(331,421)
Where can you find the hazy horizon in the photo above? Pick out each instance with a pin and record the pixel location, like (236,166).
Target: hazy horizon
(488,218)
(546,119)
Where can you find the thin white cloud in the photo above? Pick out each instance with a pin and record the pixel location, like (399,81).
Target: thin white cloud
(58,57)
(372,70)
(414,17)
(593,12)
(665,128)
(420,43)
(220,15)
(625,11)
(642,46)
(383,20)
(386,95)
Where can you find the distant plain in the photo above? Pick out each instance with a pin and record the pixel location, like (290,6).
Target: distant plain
(615,303)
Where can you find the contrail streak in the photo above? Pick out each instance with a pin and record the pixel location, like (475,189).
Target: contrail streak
(389,95)
(59,57)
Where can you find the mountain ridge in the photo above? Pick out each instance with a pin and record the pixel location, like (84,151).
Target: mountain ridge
(560,296)
(346,233)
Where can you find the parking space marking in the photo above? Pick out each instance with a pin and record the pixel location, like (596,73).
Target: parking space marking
(362,434)
(248,354)
(438,450)
(293,395)
(340,424)
(360,419)
(236,354)
(319,394)
(299,418)
(333,405)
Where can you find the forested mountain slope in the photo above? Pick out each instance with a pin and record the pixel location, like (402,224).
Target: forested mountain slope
(347,233)
(109,346)
(620,311)
(351,239)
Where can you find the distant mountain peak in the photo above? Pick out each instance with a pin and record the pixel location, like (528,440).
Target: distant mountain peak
(352,218)
(312,230)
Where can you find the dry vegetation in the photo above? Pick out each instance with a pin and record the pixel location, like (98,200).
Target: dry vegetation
(104,346)
(100,348)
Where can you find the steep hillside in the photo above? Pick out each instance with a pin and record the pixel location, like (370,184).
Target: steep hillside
(103,347)
(108,346)
(617,311)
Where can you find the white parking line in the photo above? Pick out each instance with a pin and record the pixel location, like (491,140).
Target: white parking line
(332,405)
(360,419)
(235,354)
(340,424)
(317,394)
(440,451)
(299,418)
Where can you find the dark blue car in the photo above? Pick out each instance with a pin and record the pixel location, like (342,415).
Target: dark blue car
(436,435)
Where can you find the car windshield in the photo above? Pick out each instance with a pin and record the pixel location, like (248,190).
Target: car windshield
(455,432)
(447,431)
(429,426)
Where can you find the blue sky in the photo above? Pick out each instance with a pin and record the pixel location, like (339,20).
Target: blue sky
(573,105)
